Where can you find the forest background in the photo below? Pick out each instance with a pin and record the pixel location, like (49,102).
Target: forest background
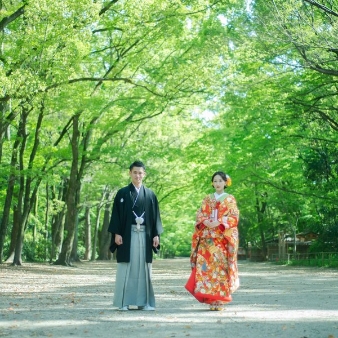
(188,87)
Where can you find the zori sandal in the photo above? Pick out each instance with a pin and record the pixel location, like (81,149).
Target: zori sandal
(219,306)
(213,306)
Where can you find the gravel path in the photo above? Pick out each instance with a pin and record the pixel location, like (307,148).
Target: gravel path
(40,300)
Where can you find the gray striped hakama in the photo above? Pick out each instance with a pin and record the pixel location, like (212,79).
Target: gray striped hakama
(133,280)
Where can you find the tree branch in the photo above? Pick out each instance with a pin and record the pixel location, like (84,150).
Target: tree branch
(8,19)
(99,79)
(314,138)
(295,192)
(107,7)
(323,70)
(64,131)
(171,192)
(312,65)
(320,6)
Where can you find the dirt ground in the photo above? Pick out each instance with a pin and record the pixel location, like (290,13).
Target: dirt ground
(39,300)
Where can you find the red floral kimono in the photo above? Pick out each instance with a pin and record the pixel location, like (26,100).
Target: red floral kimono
(214,275)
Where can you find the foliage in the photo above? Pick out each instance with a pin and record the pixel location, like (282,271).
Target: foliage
(319,260)
(187,87)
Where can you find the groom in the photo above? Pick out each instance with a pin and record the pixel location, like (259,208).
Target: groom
(135,226)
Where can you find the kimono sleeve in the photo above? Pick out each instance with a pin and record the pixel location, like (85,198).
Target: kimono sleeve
(232,215)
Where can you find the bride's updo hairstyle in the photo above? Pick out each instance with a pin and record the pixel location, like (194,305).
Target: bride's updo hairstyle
(226,178)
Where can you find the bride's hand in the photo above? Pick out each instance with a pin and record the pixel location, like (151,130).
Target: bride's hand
(214,224)
(211,224)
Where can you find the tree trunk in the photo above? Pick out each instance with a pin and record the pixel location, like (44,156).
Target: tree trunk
(9,195)
(71,200)
(105,196)
(260,208)
(58,230)
(58,222)
(14,235)
(19,238)
(105,236)
(20,226)
(74,256)
(88,236)
(26,195)
(47,220)
(19,241)
(2,123)
(96,231)
(28,202)
(5,121)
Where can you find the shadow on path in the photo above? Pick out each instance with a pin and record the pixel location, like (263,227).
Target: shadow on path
(41,300)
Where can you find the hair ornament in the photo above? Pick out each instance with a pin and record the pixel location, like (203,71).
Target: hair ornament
(229,181)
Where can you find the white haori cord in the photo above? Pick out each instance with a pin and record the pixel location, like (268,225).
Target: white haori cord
(139,220)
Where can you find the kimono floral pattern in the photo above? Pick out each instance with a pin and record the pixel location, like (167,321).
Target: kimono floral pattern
(214,251)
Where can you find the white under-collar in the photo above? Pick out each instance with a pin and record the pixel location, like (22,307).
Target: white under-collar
(137,189)
(217,196)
